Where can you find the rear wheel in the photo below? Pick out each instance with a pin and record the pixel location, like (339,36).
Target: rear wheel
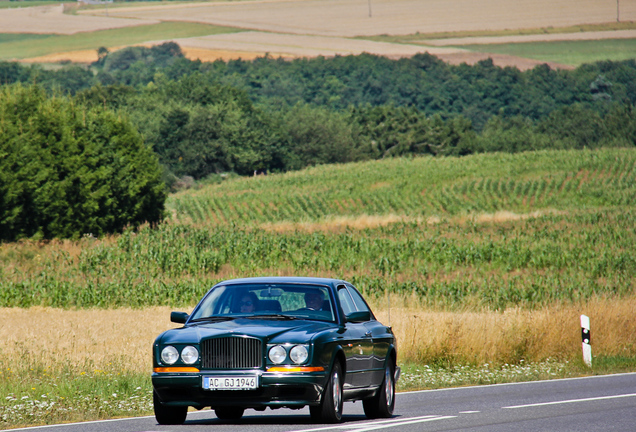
(229,413)
(168,415)
(381,405)
(330,408)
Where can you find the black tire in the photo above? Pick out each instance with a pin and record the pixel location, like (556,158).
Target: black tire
(168,415)
(382,404)
(330,408)
(229,413)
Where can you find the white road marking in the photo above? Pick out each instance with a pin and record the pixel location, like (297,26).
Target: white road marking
(362,427)
(401,423)
(78,423)
(468,412)
(573,401)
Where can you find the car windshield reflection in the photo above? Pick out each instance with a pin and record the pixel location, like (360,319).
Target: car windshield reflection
(267,301)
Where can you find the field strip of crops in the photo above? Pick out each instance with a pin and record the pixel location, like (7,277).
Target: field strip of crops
(393,17)
(573,53)
(488,40)
(303,45)
(22,46)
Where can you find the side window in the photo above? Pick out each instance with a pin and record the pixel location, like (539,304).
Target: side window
(361,306)
(345,300)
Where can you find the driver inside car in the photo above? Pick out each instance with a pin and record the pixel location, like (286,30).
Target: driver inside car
(314,300)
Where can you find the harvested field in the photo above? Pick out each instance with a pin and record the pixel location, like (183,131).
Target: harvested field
(309,28)
(90,56)
(306,46)
(349,18)
(53,20)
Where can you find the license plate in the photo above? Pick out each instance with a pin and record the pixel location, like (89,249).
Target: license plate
(221,382)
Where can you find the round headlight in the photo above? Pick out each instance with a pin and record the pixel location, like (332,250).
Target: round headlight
(169,355)
(277,354)
(189,355)
(298,354)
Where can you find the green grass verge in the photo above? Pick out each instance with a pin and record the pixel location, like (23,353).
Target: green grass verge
(572,53)
(33,394)
(425,377)
(22,46)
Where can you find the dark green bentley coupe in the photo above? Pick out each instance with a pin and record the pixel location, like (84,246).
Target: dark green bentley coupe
(279,342)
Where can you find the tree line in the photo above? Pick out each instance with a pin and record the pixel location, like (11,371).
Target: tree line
(199,119)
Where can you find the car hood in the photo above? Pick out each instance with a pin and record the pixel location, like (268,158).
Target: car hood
(269,331)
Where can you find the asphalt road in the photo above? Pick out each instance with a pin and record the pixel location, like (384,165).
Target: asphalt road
(602,403)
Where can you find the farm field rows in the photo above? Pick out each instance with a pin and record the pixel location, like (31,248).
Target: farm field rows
(351,18)
(419,189)
(522,244)
(307,28)
(22,46)
(484,234)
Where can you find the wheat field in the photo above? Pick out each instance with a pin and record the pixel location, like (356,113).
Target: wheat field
(125,336)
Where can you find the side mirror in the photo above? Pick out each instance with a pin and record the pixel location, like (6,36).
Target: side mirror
(179,317)
(356,317)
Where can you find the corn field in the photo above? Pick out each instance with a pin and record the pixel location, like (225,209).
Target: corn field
(419,188)
(580,243)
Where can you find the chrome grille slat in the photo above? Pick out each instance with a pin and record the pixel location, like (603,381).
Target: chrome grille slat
(231,353)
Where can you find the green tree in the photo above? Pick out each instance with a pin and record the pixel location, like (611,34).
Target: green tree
(67,170)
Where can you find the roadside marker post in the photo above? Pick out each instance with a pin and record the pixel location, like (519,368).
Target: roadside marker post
(586,339)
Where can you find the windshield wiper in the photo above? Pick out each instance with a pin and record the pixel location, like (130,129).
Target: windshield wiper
(213,319)
(273,316)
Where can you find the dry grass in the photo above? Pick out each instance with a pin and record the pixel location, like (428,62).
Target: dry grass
(506,337)
(125,335)
(340,223)
(98,337)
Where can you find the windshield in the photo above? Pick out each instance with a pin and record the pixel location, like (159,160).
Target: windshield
(279,300)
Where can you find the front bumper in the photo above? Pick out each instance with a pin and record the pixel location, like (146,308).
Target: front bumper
(276,389)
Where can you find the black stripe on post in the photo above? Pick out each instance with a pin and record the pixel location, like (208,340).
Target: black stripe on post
(585,336)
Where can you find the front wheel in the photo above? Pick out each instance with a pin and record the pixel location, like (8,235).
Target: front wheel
(168,415)
(330,408)
(381,405)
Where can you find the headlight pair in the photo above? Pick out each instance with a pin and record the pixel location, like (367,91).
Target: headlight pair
(297,354)
(170,355)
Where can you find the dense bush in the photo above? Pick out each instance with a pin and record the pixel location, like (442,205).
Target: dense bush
(66,170)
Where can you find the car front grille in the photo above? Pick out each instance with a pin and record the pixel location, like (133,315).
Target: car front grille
(231,353)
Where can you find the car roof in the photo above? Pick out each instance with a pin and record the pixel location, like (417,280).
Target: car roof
(284,279)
